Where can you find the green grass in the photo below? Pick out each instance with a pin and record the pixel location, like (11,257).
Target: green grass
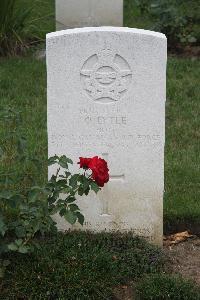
(85,266)
(165,287)
(182,176)
(79,266)
(23,88)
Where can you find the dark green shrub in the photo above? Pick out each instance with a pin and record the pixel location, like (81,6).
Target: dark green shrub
(167,287)
(23,211)
(178,20)
(143,5)
(26,210)
(171,20)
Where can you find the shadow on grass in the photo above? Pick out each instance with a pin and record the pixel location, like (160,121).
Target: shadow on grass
(79,266)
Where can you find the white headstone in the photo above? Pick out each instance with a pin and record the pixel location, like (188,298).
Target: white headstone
(106,97)
(80,13)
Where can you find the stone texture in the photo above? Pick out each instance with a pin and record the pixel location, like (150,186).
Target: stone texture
(106,97)
(80,13)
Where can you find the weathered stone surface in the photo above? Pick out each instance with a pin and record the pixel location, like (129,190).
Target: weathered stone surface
(80,13)
(106,97)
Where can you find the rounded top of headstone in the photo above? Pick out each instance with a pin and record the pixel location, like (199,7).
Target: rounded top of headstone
(105,29)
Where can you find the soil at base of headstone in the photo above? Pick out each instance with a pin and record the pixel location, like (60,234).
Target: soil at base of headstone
(184,259)
(172,227)
(124,292)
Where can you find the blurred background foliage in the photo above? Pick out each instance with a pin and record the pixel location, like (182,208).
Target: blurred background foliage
(24,23)
(178,19)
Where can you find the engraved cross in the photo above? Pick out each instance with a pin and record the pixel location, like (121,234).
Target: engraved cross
(104,195)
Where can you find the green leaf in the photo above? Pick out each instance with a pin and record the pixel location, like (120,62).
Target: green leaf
(64,161)
(70,199)
(80,217)
(87,191)
(52,181)
(52,160)
(46,191)
(15,200)
(67,174)
(61,183)
(13,247)
(20,231)
(17,197)
(192,39)
(63,164)
(73,180)
(68,160)
(51,200)
(80,191)
(85,183)
(94,187)
(70,216)
(3,227)
(3,248)
(53,209)
(66,190)
(6,263)
(6,194)
(73,207)
(62,212)
(18,242)
(33,195)
(23,249)
(60,202)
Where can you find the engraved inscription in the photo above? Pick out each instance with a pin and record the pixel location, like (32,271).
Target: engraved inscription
(108,120)
(107,139)
(106,76)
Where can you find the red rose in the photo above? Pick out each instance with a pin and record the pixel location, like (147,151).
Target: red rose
(99,169)
(84,162)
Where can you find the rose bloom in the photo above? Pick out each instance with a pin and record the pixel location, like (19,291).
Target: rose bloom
(84,162)
(99,169)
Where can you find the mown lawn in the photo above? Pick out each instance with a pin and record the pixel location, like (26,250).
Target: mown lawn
(80,266)
(182,160)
